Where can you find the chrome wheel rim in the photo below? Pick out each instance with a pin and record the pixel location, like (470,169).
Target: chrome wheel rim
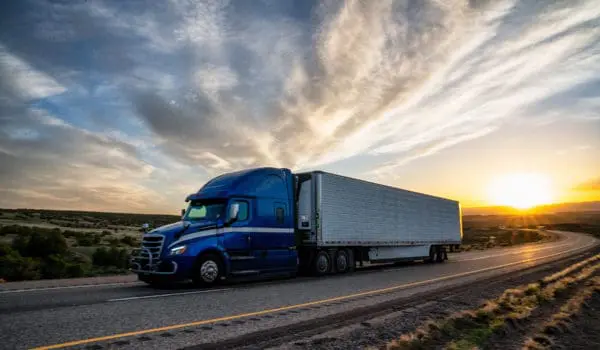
(209,271)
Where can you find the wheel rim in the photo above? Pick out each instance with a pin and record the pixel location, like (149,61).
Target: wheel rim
(342,262)
(209,271)
(322,263)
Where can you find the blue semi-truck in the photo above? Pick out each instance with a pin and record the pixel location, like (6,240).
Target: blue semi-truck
(267,220)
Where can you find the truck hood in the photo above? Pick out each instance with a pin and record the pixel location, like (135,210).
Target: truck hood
(177,230)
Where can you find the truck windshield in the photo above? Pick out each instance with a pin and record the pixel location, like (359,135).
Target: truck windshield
(202,210)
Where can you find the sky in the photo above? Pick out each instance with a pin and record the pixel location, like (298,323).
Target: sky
(132,105)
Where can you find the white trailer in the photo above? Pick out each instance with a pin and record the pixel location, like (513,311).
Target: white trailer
(371,222)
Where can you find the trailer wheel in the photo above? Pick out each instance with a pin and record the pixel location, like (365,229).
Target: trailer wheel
(432,255)
(440,255)
(444,254)
(209,270)
(342,261)
(321,263)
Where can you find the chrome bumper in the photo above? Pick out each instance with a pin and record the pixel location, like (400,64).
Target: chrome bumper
(141,262)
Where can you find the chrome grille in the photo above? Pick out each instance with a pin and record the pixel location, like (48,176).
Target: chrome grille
(151,246)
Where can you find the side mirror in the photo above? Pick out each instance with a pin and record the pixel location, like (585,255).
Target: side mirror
(182,212)
(234,211)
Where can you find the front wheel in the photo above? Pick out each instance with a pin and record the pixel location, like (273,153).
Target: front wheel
(209,271)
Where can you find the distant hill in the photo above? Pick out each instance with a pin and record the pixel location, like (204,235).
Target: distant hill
(543,209)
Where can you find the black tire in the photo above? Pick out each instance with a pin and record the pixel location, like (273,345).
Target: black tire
(440,255)
(208,270)
(351,260)
(432,255)
(321,263)
(342,261)
(444,254)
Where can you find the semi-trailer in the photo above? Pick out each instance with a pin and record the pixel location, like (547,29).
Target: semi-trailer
(271,221)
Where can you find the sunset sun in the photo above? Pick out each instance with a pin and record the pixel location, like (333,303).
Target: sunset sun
(521,191)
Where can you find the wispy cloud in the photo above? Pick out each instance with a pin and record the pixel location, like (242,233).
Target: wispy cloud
(395,79)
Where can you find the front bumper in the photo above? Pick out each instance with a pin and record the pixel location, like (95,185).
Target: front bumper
(142,263)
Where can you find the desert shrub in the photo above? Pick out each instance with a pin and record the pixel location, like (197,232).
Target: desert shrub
(130,241)
(14,267)
(88,240)
(113,256)
(73,234)
(41,244)
(15,230)
(114,241)
(42,254)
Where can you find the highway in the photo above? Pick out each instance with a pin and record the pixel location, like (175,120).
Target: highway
(136,316)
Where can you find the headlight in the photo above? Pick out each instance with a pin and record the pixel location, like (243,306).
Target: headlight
(178,250)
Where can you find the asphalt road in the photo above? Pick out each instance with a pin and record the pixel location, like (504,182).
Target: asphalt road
(137,316)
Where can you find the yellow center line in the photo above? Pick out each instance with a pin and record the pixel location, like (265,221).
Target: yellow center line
(297,306)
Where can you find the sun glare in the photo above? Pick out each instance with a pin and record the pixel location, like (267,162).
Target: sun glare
(521,191)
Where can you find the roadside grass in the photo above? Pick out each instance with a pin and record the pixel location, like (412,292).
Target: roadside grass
(473,328)
(560,322)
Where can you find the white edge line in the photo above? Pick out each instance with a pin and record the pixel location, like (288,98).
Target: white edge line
(169,294)
(68,287)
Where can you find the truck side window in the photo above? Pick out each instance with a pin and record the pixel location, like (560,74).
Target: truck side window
(279,214)
(243,213)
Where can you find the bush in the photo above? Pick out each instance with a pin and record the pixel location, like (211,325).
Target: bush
(49,243)
(42,254)
(113,256)
(41,244)
(88,240)
(74,234)
(15,230)
(114,241)
(130,241)
(14,267)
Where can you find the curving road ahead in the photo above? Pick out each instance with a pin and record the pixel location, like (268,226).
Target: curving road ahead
(136,316)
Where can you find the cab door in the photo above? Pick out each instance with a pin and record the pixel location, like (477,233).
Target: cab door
(237,239)
(272,242)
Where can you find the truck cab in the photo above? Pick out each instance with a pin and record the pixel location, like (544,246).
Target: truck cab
(240,223)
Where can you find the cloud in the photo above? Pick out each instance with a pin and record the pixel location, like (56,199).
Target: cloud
(120,93)
(380,78)
(60,166)
(590,185)
(47,162)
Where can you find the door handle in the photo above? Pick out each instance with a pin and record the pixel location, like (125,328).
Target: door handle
(249,238)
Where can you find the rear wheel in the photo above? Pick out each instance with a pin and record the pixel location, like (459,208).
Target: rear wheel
(442,255)
(433,255)
(321,263)
(209,270)
(342,261)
